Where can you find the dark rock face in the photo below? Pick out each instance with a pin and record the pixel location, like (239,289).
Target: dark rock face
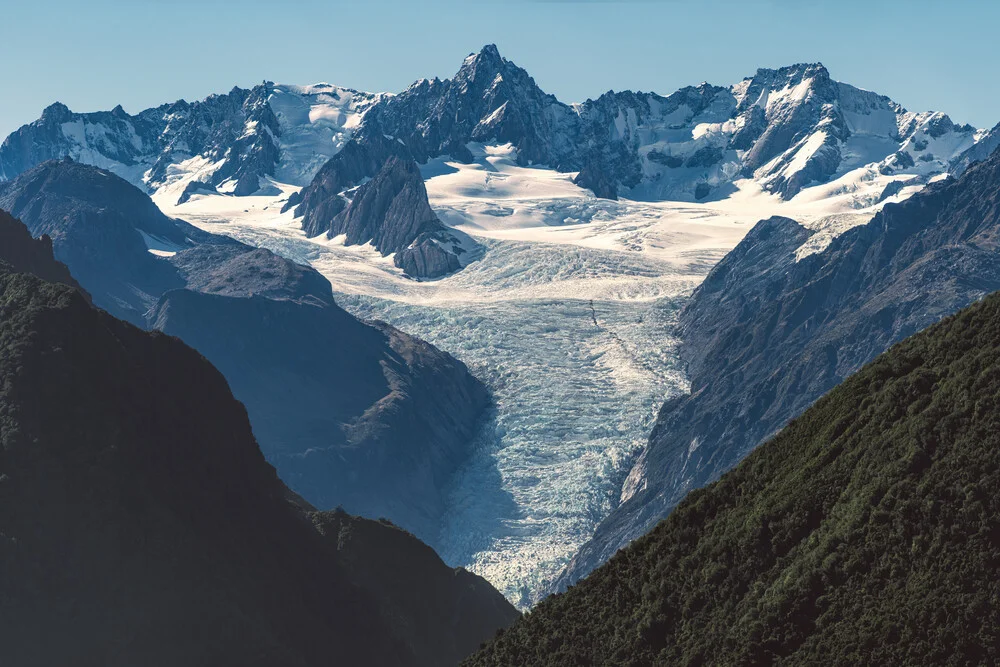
(428,258)
(367,417)
(864,533)
(131,481)
(391,211)
(765,336)
(597,181)
(322,200)
(195,188)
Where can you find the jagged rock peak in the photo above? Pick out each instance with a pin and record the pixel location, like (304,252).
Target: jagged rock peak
(392,211)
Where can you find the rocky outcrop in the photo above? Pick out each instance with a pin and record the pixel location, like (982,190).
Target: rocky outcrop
(132,484)
(323,199)
(368,417)
(195,188)
(390,211)
(767,334)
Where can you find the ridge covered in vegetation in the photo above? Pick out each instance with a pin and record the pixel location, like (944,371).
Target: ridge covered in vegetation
(866,532)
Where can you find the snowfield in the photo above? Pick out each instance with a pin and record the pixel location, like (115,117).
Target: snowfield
(567,315)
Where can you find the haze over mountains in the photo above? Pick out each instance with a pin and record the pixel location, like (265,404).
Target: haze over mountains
(570,267)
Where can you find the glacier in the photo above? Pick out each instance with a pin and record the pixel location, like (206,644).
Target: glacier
(566,315)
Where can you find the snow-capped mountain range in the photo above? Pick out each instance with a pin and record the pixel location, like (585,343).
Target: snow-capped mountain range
(782,129)
(566,304)
(228,141)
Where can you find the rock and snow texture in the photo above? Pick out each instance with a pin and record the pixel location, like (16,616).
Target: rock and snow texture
(229,141)
(787,130)
(392,213)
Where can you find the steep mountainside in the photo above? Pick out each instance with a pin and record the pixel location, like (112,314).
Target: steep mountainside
(142,525)
(443,612)
(866,533)
(768,333)
(368,417)
(392,213)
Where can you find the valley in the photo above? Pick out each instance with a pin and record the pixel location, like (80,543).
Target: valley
(566,314)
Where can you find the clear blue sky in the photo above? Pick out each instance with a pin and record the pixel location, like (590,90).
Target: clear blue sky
(925,55)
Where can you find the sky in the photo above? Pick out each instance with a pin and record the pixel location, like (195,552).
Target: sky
(925,55)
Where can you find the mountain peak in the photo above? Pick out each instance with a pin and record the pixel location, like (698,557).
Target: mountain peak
(488,61)
(57,111)
(488,52)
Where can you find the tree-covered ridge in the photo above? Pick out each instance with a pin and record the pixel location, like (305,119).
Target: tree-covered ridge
(867,532)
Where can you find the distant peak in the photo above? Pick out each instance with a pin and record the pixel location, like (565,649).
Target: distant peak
(56,111)
(489,58)
(797,69)
(490,51)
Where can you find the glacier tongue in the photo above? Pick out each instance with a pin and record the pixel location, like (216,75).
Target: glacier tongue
(577,384)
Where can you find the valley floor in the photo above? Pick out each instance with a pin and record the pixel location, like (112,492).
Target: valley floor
(565,314)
